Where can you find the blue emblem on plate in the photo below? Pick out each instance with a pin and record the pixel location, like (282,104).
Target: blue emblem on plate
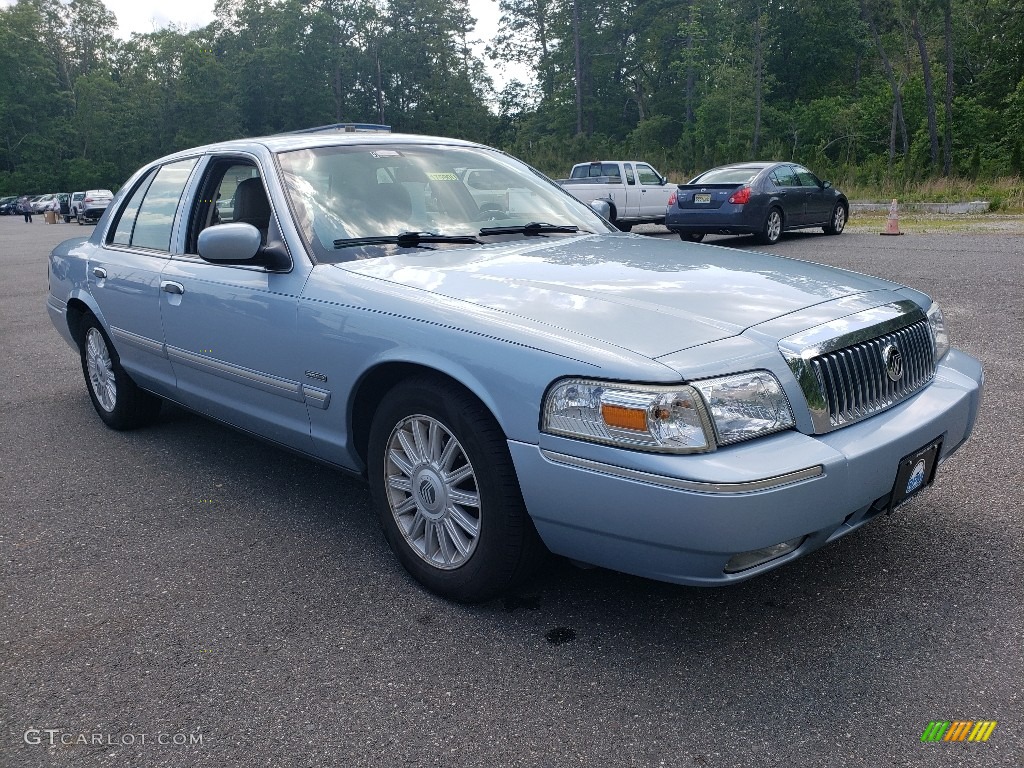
(916,478)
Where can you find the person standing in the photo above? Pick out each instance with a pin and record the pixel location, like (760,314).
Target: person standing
(26,208)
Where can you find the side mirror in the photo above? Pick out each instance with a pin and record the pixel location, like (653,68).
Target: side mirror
(240,243)
(230,243)
(826,185)
(664,181)
(601,208)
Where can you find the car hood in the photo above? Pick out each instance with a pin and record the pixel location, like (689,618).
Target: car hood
(644,294)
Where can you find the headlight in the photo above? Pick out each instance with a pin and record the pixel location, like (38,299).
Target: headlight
(939,334)
(746,405)
(668,419)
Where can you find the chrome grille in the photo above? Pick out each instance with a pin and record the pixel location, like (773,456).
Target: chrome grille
(854,381)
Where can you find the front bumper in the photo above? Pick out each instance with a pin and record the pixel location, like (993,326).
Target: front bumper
(681,518)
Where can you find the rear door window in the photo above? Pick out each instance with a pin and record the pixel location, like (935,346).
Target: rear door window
(148,216)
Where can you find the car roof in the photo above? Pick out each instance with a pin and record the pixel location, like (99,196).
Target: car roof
(285,142)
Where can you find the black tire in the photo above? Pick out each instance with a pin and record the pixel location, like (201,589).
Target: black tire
(691,238)
(121,404)
(837,223)
(772,229)
(623,226)
(505,548)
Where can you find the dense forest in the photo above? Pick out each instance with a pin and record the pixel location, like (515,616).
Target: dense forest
(862,90)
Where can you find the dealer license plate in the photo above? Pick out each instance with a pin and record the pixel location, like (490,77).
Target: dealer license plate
(702,198)
(915,473)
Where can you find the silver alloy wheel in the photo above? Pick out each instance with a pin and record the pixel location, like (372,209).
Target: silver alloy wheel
(101,370)
(774,228)
(839,219)
(432,492)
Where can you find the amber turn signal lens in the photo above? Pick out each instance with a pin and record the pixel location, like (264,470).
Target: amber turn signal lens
(624,418)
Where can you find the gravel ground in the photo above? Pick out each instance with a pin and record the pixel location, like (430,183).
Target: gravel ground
(187,582)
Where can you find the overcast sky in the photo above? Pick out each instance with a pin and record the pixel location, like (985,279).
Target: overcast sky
(147,15)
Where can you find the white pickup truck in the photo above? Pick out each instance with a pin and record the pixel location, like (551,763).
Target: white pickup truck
(634,191)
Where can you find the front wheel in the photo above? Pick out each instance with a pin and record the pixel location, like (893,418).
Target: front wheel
(116,398)
(837,223)
(446,492)
(772,229)
(691,238)
(623,226)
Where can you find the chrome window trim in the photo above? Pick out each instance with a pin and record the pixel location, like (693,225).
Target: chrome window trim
(801,348)
(748,486)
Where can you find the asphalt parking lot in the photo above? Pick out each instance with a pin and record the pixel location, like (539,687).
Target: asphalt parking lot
(186,583)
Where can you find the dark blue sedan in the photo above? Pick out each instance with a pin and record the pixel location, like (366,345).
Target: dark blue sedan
(760,199)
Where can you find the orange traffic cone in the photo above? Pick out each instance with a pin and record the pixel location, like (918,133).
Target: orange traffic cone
(892,224)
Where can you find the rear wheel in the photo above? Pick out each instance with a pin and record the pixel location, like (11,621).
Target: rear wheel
(116,398)
(691,238)
(446,492)
(772,229)
(837,223)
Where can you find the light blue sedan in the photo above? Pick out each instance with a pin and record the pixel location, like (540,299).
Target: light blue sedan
(508,371)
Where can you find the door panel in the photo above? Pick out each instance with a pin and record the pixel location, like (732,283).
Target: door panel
(126,287)
(231,339)
(819,201)
(125,275)
(794,201)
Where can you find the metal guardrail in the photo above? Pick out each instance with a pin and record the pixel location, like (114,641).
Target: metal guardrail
(975,206)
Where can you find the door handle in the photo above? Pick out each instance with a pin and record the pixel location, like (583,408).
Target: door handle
(782,193)
(99,272)
(172,287)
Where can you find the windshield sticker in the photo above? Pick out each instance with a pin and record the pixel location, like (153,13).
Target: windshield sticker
(442,177)
(385,153)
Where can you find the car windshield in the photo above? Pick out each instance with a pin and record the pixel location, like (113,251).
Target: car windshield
(344,195)
(728,176)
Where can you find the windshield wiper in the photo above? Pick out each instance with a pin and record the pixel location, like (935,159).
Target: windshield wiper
(405,239)
(531,229)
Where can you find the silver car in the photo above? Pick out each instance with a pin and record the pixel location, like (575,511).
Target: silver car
(511,374)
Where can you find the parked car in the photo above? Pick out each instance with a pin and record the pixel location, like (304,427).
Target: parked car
(8,205)
(93,204)
(75,204)
(509,380)
(634,191)
(760,199)
(42,203)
